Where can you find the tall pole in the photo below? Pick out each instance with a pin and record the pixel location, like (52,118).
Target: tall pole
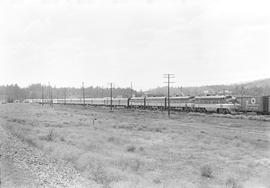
(111,96)
(56,92)
(83,93)
(51,94)
(168,77)
(130,89)
(42,95)
(65,95)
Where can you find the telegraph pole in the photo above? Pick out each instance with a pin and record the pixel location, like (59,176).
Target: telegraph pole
(111,95)
(50,95)
(65,95)
(56,92)
(130,89)
(168,77)
(42,95)
(83,93)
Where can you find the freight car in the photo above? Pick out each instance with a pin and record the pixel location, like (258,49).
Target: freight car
(257,104)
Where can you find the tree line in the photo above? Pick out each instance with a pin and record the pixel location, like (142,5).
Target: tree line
(10,93)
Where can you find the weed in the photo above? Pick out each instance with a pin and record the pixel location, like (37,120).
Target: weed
(113,139)
(141,148)
(232,183)
(62,139)
(131,164)
(206,171)
(131,148)
(30,142)
(99,175)
(156,130)
(135,165)
(49,137)
(157,181)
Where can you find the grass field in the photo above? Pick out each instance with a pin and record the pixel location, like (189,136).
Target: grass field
(131,148)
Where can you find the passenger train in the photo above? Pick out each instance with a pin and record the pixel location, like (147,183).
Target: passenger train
(215,104)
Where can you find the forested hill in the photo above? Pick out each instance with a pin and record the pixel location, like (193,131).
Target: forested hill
(14,92)
(257,88)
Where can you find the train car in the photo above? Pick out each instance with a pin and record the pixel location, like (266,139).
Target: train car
(155,102)
(121,102)
(60,101)
(45,101)
(136,102)
(219,104)
(97,101)
(257,104)
(76,101)
(183,103)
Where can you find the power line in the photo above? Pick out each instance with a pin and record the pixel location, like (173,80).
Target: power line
(169,77)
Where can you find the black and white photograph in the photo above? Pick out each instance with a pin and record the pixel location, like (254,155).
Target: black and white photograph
(134,94)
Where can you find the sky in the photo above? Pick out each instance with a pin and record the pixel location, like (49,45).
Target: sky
(67,42)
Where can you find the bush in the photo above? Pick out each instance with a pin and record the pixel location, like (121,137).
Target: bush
(51,136)
(99,175)
(206,171)
(232,183)
(131,148)
(30,142)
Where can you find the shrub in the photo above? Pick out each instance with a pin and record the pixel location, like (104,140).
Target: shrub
(141,148)
(111,139)
(232,183)
(206,171)
(99,175)
(30,142)
(131,148)
(157,181)
(50,136)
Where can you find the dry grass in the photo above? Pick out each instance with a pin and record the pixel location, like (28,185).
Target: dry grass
(232,183)
(146,149)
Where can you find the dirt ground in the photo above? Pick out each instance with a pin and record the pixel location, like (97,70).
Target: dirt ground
(132,148)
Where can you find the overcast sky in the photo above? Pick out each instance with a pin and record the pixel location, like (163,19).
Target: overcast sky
(66,42)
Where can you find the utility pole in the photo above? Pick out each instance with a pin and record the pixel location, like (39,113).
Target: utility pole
(56,92)
(51,97)
(42,95)
(130,89)
(65,95)
(168,77)
(83,93)
(111,94)
(50,94)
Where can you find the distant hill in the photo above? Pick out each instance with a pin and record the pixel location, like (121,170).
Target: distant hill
(256,88)
(257,83)
(14,92)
